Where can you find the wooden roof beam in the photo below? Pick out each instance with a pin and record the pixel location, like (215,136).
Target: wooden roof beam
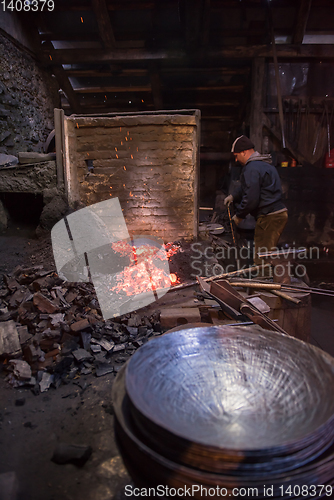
(103,21)
(77,56)
(66,86)
(301,21)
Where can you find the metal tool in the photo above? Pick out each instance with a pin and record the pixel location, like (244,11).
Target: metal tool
(223,292)
(231,224)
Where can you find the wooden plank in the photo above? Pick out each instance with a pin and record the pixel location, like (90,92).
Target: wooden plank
(75,56)
(103,21)
(197,174)
(301,21)
(66,86)
(118,89)
(59,136)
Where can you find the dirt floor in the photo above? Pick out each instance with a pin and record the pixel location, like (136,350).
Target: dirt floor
(79,413)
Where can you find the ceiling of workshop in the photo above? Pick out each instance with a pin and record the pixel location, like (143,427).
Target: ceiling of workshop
(137,55)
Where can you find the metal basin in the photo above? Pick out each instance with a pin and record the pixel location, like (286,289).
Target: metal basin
(235,388)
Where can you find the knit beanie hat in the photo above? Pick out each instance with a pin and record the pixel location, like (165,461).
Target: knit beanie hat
(242,143)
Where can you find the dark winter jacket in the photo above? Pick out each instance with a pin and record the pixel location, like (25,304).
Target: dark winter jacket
(260,191)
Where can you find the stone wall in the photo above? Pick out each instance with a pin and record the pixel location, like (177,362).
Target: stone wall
(28,96)
(148,161)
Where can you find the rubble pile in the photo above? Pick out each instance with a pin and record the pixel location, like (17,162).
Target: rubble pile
(52,331)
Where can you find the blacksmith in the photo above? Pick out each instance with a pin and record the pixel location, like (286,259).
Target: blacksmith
(259,194)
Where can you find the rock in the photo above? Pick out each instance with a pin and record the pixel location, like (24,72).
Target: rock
(53,212)
(103,369)
(69,345)
(21,369)
(46,381)
(105,344)
(81,355)
(57,318)
(23,294)
(95,348)
(134,320)
(71,453)
(119,347)
(11,283)
(8,160)
(85,339)
(24,335)
(133,331)
(9,339)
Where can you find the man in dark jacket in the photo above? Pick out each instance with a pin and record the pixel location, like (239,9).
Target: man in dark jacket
(259,194)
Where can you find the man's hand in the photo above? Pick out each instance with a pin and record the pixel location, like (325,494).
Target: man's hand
(236,220)
(228,200)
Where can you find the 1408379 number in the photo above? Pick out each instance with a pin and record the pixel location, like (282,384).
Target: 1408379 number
(28,5)
(316,491)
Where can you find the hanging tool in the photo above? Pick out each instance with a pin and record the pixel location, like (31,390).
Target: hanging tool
(318,132)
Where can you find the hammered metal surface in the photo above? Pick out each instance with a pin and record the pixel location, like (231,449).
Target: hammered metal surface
(233,387)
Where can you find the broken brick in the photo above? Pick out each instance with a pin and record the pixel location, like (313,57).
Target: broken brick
(80,325)
(44,304)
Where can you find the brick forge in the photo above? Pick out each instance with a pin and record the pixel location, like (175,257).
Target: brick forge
(149,161)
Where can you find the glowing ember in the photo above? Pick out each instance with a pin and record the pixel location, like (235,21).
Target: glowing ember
(142,275)
(173,278)
(140,279)
(171,249)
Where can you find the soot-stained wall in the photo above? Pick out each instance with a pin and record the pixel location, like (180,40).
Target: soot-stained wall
(28,96)
(149,161)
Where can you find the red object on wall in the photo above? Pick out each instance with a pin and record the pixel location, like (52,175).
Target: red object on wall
(329,160)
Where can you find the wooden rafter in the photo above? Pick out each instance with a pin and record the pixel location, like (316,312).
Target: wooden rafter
(75,56)
(66,86)
(103,20)
(301,21)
